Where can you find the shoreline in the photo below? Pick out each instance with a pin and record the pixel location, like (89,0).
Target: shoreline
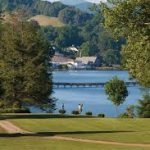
(95,69)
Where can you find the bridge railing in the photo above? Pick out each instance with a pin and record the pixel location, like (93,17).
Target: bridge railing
(89,84)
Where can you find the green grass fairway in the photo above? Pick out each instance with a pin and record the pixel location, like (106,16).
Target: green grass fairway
(119,130)
(41,143)
(46,21)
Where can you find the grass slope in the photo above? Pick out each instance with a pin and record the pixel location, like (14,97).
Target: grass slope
(119,130)
(40,143)
(46,21)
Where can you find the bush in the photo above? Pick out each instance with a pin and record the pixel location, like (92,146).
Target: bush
(75,112)
(143,108)
(88,113)
(63,67)
(15,110)
(101,115)
(62,111)
(124,115)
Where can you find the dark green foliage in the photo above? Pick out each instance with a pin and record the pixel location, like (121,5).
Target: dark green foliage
(62,111)
(1,89)
(83,30)
(24,56)
(50,33)
(15,110)
(98,40)
(111,57)
(68,36)
(49,9)
(143,108)
(124,115)
(32,7)
(116,90)
(130,112)
(101,115)
(130,19)
(71,15)
(75,112)
(89,113)
(63,67)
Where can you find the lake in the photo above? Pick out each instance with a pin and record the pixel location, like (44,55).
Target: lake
(93,99)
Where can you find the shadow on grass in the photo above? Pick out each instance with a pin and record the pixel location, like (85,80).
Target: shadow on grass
(41,116)
(43,134)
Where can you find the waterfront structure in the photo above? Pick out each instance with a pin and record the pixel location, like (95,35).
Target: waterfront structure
(86,62)
(79,63)
(59,59)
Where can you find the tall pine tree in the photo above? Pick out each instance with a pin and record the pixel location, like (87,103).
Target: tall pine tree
(24,57)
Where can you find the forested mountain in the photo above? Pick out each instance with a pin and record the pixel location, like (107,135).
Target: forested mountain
(32,7)
(85,6)
(81,29)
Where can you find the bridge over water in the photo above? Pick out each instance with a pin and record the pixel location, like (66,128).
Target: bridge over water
(89,84)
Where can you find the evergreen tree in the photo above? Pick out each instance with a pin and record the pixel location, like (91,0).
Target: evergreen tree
(24,56)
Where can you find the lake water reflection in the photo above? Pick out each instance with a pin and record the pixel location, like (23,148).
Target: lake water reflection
(93,99)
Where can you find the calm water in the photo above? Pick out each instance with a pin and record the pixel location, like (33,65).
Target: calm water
(93,99)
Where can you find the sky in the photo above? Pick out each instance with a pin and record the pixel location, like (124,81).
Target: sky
(93,1)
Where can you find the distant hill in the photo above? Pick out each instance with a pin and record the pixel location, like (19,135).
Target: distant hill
(72,2)
(32,7)
(46,21)
(84,6)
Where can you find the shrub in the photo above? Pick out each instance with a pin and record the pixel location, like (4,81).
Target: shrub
(101,115)
(62,111)
(88,113)
(143,108)
(15,110)
(124,115)
(63,67)
(75,112)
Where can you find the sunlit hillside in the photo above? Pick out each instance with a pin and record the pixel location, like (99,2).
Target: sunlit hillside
(46,21)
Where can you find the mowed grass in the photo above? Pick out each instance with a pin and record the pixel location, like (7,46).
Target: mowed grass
(46,21)
(41,143)
(118,130)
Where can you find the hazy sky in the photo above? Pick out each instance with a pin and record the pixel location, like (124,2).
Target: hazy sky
(94,1)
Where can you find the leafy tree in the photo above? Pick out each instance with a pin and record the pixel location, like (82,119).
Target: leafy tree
(111,57)
(84,49)
(24,56)
(51,33)
(71,15)
(130,19)
(143,108)
(68,36)
(32,7)
(1,89)
(116,91)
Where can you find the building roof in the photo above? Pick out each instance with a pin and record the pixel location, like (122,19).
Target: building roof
(60,59)
(72,48)
(86,60)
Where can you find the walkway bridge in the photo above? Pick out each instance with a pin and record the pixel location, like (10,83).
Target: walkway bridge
(86,85)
